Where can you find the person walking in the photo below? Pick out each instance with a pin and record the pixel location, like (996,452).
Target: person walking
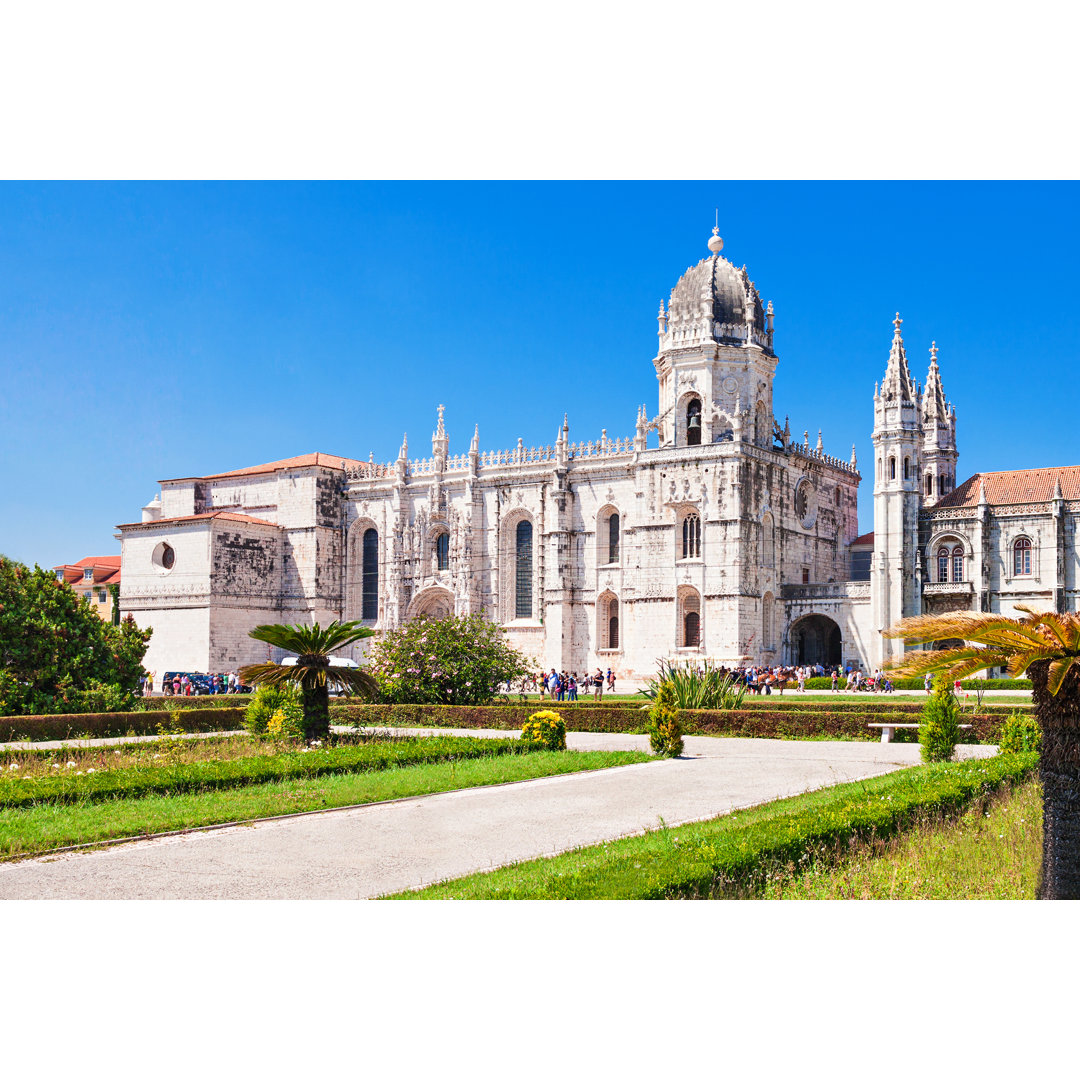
(835,677)
(598,685)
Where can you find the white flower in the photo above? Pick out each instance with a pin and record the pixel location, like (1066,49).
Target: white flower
(117,753)
(71,764)
(316,742)
(79,773)
(89,771)
(56,765)
(13,765)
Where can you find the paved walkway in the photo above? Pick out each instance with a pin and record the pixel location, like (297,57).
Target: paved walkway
(383,848)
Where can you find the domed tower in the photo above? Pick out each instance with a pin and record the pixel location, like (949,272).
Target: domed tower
(897,442)
(715,361)
(939,451)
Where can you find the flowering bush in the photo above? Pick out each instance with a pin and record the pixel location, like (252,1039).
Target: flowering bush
(275,711)
(547,728)
(459,660)
(665,731)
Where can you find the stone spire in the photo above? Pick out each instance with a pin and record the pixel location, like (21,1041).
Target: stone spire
(934,404)
(820,446)
(854,459)
(403,458)
(897,384)
(440,443)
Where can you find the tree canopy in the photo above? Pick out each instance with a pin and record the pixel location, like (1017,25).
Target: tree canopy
(56,654)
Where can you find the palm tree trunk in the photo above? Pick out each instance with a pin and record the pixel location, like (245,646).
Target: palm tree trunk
(316,712)
(1059,770)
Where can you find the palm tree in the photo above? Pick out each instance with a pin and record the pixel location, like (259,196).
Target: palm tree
(312,672)
(1047,646)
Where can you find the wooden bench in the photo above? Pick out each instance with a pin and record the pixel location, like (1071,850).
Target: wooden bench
(888,729)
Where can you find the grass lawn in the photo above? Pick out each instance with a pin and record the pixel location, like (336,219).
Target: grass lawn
(736,856)
(992,852)
(38,829)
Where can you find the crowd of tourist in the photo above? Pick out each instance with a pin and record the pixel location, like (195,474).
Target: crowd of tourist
(567,685)
(192,684)
(769,680)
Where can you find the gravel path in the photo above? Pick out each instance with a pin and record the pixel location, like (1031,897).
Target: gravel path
(386,847)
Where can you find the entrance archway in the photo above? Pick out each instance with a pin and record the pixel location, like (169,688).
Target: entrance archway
(815,639)
(434,603)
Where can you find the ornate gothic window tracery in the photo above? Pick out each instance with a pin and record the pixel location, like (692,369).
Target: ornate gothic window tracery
(369,579)
(950,561)
(442,551)
(523,582)
(691,537)
(1022,556)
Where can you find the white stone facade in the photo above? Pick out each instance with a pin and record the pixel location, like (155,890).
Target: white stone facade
(708,533)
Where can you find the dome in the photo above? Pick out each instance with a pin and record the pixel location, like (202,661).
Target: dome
(713,301)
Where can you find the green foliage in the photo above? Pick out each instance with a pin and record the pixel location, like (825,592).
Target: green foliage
(546,728)
(109,725)
(280,705)
(665,731)
(458,660)
(708,689)
(173,777)
(818,683)
(939,731)
(56,654)
(312,673)
(1020,734)
(734,854)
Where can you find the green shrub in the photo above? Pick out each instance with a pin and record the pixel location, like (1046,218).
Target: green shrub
(665,731)
(546,728)
(939,731)
(266,703)
(693,689)
(1019,734)
(819,683)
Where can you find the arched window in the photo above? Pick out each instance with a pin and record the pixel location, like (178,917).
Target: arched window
(879,468)
(943,564)
(929,483)
(907,468)
(523,583)
(689,618)
(693,422)
(1022,556)
(768,542)
(892,468)
(613,538)
(941,484)
(691,629)
(608,618)
(442,551)
(691,537)
(958,563)
(838,494)
(369,575)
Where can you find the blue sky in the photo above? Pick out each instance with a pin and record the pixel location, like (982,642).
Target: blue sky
(152,330)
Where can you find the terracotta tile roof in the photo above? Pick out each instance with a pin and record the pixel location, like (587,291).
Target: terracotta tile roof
(1019,486)
(106,570)
(866,538)
(223,515)
(326,461)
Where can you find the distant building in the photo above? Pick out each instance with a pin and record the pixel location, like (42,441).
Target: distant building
(93,579)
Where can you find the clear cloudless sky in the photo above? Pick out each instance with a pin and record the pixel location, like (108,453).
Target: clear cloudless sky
(156,330)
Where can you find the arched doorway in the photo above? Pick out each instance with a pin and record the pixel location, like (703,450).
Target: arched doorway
(432,603)
(815,639)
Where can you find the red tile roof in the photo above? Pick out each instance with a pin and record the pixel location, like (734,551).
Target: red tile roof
(1019,486)
(326,461)
(106,570)
(866,538)
(223,515)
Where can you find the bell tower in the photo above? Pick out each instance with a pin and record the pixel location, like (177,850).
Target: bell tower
(715,362)
(897,442)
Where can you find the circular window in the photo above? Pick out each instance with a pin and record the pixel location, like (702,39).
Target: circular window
(806,504)
(164,557)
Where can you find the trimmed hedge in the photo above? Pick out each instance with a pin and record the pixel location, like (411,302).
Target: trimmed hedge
(110,725)
(196,701)
(241,772)
(776,723)
(825,683)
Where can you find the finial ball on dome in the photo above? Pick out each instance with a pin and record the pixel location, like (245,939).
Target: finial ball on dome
(716,242)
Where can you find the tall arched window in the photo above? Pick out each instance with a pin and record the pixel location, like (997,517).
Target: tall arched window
(607,621)
(943,564)
(442,551)
(613,538)
(693,422)
(1022,556)
(523,583)
(958,563)
(907,468)
(369,575)
(691,537)
(892,468)
(768,542)
(613,626)
(689,618)
(950,557)
(929,483)
(691,629)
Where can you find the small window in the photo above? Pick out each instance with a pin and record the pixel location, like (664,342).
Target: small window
(838,495)
(88,574)
(943,564)
(59,575)
(892,468)
(86,596)
(958,564)
(929,483)
(102,596)
(613,539)
(1022,556)
(692,629)
(442,551)
(907,468)
(806,575)
(691,537)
